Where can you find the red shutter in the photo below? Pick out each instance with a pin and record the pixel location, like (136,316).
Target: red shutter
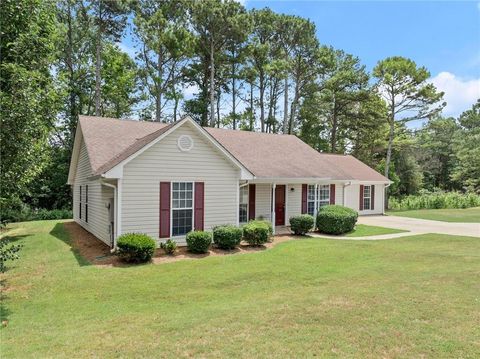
(164,210)
(251,201)
(332,194)
(372,201)
(304,198)
(361,197)
(199,204)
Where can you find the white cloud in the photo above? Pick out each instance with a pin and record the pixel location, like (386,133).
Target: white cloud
(460,94)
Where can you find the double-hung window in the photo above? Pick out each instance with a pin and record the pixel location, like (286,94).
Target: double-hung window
(182,208)
(367,197)
(322,198)
(243,206)
(323,195)
(311,199)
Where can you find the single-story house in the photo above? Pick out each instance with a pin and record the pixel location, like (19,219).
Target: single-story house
(168,179)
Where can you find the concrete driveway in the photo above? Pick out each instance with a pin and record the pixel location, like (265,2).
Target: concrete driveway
(421,226)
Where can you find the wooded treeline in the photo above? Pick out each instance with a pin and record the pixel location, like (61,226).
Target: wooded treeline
(225,66)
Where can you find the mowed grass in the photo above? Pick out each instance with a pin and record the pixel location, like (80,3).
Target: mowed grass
(416,296)
(363,230)
(462,215)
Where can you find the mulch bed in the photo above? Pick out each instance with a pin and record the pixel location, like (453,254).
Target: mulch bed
(98,253)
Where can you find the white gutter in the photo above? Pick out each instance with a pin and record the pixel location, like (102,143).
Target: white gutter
(116,214)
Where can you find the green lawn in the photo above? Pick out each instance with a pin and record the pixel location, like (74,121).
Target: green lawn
(467,215)
(408,297)
(362,230)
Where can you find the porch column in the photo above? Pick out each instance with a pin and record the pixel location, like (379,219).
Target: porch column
(315,209)
(274,185)
(238,203)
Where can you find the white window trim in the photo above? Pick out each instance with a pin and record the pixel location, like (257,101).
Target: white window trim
(369,197)
(317,201)
(171,208)
(240,202)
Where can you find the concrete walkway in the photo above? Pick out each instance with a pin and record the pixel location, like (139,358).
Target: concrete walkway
(413,225)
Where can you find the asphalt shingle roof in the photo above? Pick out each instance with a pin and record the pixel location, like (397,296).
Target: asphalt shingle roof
(109,141)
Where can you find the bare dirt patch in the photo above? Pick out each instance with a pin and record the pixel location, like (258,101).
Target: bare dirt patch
(98,253)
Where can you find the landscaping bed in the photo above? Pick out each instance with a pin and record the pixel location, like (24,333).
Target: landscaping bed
(98,253)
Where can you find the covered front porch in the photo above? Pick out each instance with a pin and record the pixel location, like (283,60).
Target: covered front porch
(278,200)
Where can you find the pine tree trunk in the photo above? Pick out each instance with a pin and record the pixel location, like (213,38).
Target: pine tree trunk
(158,99)
(212,87)
(218,108)
(333,139)
(73,107)
(293,109)
(285,106)
(262,105)
(98,63)
(251,107)
(389,152)
(234,102)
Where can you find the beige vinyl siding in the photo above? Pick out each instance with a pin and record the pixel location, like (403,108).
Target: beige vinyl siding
(165,162)
(339,194)
(294,201)
(98,196)
(263,201)
(353,199)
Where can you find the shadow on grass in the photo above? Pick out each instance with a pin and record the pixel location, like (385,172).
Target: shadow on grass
(60,233)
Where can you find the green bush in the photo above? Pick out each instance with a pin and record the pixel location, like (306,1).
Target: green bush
(302,224)
(24,213)
(169,246)
(227,236)
(335,219)
(257,232)
(435,200)
(199,241)
(135,247)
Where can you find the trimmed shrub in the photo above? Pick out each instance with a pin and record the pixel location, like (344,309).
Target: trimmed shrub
(335,219)
(169,246)
(257,232)
(227,236)
(302,224)
(199,241)
(135,247)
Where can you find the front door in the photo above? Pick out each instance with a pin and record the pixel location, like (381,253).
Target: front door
(280,205)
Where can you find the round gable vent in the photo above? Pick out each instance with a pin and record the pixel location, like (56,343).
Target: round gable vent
(185,143)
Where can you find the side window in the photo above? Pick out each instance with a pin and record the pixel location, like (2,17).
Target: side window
(80,204)
(86,203)
(182,208)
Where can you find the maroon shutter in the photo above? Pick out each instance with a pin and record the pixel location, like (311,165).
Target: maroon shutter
(251,201)
(361,197)
(199,204)
(372,200)
(164,231)
(304,198)
(332,194)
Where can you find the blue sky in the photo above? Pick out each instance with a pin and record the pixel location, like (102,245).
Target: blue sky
(444,36)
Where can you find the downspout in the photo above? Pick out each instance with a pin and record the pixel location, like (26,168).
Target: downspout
(384,195)
(345,193)
(116,212)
